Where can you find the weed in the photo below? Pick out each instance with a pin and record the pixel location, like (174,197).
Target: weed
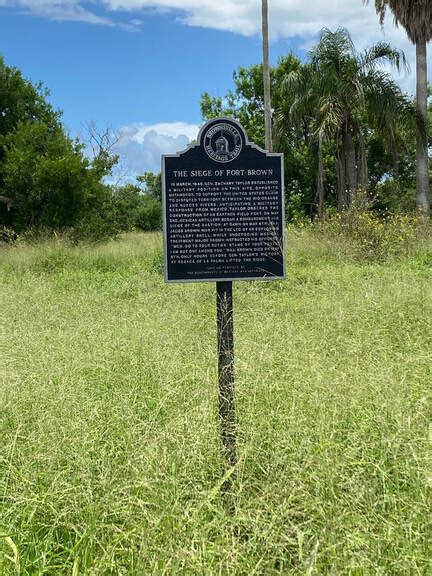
(110,458)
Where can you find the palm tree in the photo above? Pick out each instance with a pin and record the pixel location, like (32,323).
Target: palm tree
(416,17)
(342,95)
(299,111)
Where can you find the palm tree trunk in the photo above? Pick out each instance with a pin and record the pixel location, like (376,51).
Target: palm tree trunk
(266,73)
(351,168)
(340,182)
(362,166)
(422,171)
(320,180)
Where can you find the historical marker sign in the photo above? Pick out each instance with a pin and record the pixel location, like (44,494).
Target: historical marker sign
(223,208)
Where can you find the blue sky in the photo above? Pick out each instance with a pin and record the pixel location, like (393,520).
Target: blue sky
(140,66)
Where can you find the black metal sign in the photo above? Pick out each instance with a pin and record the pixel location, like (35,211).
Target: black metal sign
(223,208)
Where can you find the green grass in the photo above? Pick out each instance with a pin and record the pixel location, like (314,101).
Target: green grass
(109,449)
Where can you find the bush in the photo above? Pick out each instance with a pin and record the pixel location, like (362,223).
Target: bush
(149,215)
(371,237)
(7,234)
(392,196)
(133,209)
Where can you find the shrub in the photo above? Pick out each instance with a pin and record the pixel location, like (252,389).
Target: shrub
(149,214)
(371,237)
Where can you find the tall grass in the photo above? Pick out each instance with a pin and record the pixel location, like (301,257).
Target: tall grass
(110,458)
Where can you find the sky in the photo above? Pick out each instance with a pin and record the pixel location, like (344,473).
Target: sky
(139,67)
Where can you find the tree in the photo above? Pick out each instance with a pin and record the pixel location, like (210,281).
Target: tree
(152,184)
(102,144)
(245,103)
(301,109)
(20,101)
(416,17)
(340,120)
(45,179)
(341,96)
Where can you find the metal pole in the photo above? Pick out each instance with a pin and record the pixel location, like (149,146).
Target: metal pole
(225,336)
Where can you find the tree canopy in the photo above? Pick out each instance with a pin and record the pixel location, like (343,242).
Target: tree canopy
(47,182)
(341,121)
(416,17)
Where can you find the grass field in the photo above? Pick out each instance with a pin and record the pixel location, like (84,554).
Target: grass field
(109,448)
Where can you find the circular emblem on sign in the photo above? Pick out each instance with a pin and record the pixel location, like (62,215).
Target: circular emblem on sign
(223,142)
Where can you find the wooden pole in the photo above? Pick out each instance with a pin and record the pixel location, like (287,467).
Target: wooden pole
(266,74)
(225,336)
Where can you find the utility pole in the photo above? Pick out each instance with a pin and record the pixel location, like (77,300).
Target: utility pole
(266,73)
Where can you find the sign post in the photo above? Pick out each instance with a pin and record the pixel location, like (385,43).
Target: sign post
(223,215)
(225,338)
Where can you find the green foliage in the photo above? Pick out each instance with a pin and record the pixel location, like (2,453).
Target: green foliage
(294,210)
(127,201)
(394,196)
(138,206)
(135,209)
(96,225)
(109,432)
(367,237)
(339,119)
(45,176)
(246,104)
(345,99)
(152,184)
(45,181)
(21,101)
(149,215)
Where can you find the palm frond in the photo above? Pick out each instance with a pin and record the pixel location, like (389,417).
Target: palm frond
(414,15)
(381,53)
(330,116)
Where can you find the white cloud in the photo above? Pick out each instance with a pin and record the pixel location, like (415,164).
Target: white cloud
(167,129)
(62,10)
(232,15)
(140,146)
(288,18)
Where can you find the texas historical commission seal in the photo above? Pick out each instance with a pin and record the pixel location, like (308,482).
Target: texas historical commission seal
(222,142)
